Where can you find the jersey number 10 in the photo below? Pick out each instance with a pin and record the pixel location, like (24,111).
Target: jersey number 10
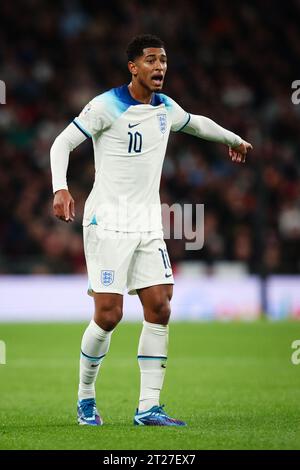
(135,142)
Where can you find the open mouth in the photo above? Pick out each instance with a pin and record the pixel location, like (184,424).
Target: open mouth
(157,79)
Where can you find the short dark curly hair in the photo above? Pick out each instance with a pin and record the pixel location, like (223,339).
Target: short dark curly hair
(139,43)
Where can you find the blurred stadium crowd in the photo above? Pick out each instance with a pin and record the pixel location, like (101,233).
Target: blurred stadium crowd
(231,61)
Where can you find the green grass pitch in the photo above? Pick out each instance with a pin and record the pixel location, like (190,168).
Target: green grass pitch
(233,383)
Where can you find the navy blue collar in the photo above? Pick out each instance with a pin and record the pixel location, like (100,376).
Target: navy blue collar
(124,95)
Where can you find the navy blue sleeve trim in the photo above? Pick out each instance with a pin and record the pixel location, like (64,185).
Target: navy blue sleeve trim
(188,120)
(81,129)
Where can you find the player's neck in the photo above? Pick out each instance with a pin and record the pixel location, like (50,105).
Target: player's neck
(140,93)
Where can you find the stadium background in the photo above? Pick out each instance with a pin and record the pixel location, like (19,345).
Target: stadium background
(232,61)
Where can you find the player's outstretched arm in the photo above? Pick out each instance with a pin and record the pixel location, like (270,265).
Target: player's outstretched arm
(205,128)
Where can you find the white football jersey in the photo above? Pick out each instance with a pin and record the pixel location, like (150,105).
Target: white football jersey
(130,141)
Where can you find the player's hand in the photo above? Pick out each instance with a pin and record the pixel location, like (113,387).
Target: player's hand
(238,154)
(63,206)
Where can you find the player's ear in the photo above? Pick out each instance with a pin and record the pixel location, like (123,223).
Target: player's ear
(132,68)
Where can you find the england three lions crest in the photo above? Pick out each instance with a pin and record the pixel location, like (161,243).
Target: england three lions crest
(107,277)
(162,122)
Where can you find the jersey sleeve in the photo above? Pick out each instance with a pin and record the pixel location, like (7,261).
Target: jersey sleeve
(205,128)
(179,117)
(64,143)
(94,118)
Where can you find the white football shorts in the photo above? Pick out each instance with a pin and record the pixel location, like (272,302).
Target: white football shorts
(116,260)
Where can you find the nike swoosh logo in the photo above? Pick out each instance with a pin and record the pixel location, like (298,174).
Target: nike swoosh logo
(168,275)
(133,125)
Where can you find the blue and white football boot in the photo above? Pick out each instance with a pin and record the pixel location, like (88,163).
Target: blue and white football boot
(156,416)
(87,412)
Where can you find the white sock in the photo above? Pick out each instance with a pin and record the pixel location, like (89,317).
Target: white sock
(152,357)
(95,344)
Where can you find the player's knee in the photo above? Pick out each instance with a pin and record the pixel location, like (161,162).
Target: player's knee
(162,312)
(108,316)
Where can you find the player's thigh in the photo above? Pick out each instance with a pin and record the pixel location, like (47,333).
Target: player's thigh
(155,295)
